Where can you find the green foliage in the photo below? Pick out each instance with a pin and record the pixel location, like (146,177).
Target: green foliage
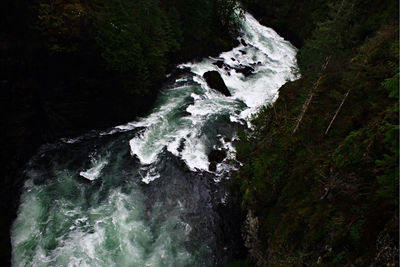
(356,230)
(329,196)
(133,37)
(328,38)
(339,259)
(389,161)
(138,39)
(239,263)
(61,23)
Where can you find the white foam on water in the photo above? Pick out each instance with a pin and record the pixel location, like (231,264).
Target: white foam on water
(113,232)
(71,140)
(126,127)
(272,58)
(97,166)
(163,125)
(274,62)
(181,80)
(150,175)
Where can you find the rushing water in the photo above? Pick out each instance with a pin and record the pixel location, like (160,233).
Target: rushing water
(141,194)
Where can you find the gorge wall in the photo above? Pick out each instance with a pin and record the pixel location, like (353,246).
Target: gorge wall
(320,172)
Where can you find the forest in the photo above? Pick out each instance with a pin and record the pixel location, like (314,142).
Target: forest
(320,173)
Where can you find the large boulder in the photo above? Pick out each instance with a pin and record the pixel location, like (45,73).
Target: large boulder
(215,156)
(215,81)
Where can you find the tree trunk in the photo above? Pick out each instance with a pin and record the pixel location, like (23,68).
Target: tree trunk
(337,111)
(310,96)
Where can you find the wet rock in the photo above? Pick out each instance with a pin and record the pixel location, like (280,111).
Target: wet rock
(185,113)
(251,240)
(245,70)
(219,63)
(181,145)
(256,64)
(84,180)
(216,155)
(227,139)
(215,81)
(180,71)
(213,166)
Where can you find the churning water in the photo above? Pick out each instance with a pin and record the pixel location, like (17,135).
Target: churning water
(141,194)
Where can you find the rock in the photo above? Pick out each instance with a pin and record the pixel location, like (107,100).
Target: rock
(180,71)
(185,113)
(213,166)
(243,42)
(216,155)
(181,145)
(245,70)
(256,64)
(215,81)
(219,63)
(251,240)
(243,52)
(227,139)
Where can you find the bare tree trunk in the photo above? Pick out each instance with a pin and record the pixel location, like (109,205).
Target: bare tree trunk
(337,111)
(303,110)
(310,96)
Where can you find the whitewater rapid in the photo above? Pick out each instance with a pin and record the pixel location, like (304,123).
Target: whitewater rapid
(274,62)
(141,194)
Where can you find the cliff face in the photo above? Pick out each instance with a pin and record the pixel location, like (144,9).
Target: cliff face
(320,173)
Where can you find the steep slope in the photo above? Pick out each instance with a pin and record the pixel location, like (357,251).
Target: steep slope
(320,173)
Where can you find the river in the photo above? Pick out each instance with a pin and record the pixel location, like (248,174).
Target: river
(141,194)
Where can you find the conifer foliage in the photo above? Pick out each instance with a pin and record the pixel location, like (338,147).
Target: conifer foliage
(327,193)
(139,38)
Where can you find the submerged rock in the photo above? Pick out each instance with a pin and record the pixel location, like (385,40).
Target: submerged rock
(245,70)
(215,81)
(219,63)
